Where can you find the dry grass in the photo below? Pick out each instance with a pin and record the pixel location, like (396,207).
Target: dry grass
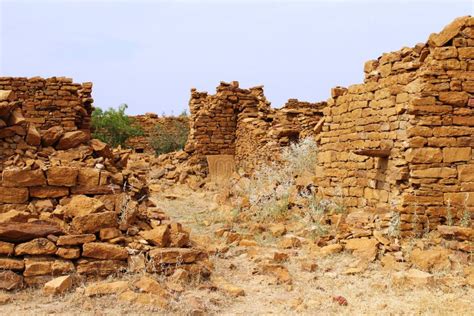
(370,292)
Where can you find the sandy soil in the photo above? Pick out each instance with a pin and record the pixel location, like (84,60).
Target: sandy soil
(370,292)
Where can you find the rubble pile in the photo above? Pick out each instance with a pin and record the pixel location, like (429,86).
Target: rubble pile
(70,205)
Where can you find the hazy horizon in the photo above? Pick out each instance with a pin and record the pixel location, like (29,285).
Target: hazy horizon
(149,54)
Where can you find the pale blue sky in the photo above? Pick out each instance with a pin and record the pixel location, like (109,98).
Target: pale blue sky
(149,54)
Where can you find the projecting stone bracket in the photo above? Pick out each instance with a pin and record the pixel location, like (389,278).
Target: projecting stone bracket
(381,153)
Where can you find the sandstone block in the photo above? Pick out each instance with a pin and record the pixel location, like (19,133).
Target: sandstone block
(11,264)
(51,136)
(159,236)
(81,205)
(88,177)
(434,173)
(13,195)
(18,232)
(6,248)
(456,232)
(454,98)
(9,280)
(38,246)
(72,240)
(68,253)
(93,223)
(101,148)
(98,250)
(148,285)
(58,285)
(424,155)
(106,288)
(46,192)
(22,178)
(100,267)
(431,260)
(364,248)
(445,52)
(455,154)
(466,173)
(62,176)
(466,52)
(72,139)
(109,233)
(33,137)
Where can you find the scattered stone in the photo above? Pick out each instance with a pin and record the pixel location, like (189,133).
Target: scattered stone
(431,260)
(330,250)
(58,285)
(226,287)
(412,277)
(149,285)
(159,236)
(364,248)
(106,288)
(10,280)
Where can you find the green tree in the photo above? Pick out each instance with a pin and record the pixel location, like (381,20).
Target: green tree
(113,126)
(170,138)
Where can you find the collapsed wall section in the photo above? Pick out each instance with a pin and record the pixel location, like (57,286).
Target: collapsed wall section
(241,122)
(38,112)
(55,101)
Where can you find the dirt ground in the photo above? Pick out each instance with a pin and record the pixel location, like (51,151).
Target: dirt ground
(370,292)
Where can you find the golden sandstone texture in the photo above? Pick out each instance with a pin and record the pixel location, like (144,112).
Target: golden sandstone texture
(396,151)
(403,140)
(72,206)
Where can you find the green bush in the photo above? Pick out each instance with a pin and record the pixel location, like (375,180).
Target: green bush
(170,138)
(113,126)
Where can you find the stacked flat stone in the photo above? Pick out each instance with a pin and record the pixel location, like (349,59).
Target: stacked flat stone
(403,140)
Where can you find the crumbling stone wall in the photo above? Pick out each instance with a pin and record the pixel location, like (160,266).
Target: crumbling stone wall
(55,101)
(403,140)
(73,206)
(241,122)
(40,112)
(148,123)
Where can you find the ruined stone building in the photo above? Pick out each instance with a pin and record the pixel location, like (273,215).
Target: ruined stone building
(240,123)
(400,141)
(403,140)
(36,107)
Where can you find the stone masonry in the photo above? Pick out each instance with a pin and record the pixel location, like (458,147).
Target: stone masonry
(403,140)
(240,122)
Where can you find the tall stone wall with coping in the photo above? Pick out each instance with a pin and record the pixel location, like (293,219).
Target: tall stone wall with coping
(403,140)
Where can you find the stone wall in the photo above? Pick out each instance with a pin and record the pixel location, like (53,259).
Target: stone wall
(241,122)
(70,205)
(403,140)
(56,101)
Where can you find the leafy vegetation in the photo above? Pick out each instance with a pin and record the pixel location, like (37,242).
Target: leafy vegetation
(171,138)
(113,126)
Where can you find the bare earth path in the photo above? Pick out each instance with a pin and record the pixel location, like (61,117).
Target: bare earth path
(370,292)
